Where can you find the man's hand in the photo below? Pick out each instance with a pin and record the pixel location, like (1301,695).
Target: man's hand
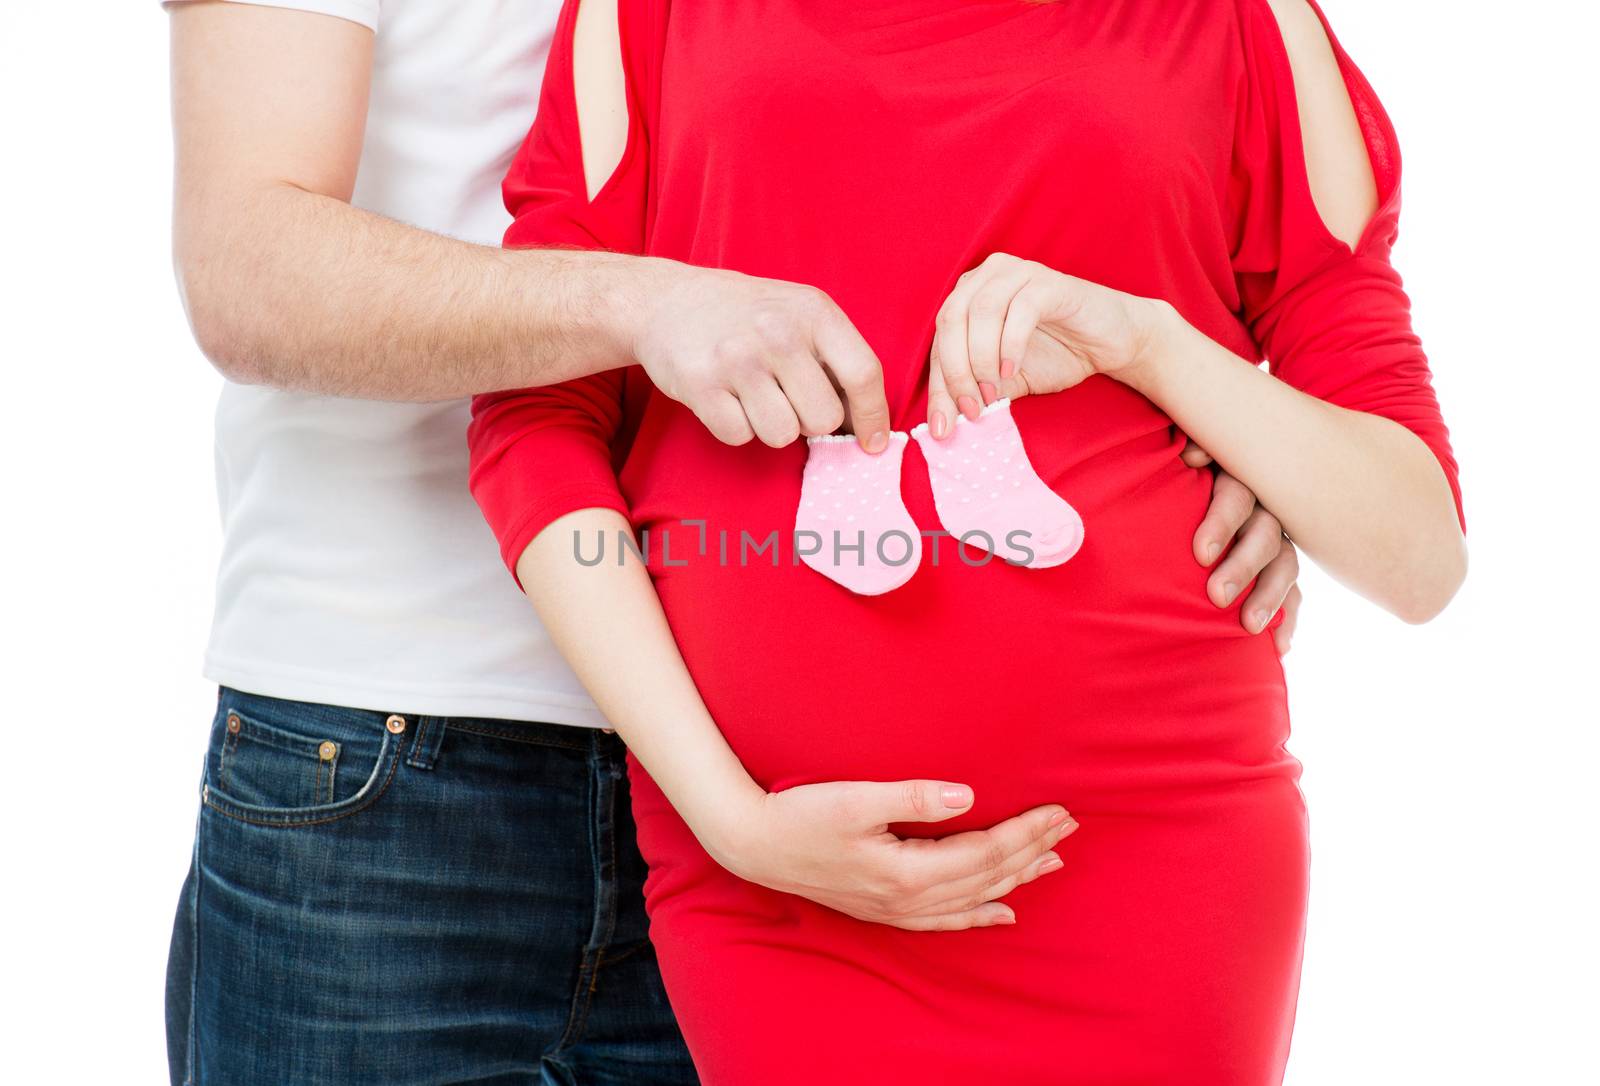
(830,843)
(759,358)
(1260,550)
(287,284)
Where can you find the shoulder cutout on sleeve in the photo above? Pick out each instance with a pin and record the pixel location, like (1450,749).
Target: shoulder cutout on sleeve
(1337,166)
(601,91)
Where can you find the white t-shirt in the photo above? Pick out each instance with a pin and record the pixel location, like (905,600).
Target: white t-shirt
(356,569)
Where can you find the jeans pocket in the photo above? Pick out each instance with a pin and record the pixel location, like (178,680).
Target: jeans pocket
(284,763)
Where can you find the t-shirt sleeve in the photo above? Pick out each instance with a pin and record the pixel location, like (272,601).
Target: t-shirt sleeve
(541,453)
(364,12)
(1330,319)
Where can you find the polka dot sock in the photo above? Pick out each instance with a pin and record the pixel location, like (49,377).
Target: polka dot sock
(989,496)
(852,526)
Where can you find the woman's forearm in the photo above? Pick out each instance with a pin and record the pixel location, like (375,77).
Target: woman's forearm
(1361,494)
(828,842)
(607,621)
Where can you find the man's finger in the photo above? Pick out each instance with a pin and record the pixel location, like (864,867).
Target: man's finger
(719,411)
(1257,543)
(1231,504)
(1193,455)
(859,375)
(1283,633)
(812,396)
(1272,585)
(769,411)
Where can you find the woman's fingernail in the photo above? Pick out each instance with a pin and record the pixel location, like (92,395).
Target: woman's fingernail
(1007,917)
(1057,818)
(939,425)
(1258,619)
(1229,590)
(968,407)
(1212,550)
(1007,368)
(1051,862)
(877,442)
(956,795)
(990,393)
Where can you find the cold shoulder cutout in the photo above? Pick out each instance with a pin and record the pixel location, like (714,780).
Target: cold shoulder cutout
(1340,173)
(1330,317)
(580,427)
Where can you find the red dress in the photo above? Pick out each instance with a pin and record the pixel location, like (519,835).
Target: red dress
(878,150)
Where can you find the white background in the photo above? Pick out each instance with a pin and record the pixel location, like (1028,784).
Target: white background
(1450,769)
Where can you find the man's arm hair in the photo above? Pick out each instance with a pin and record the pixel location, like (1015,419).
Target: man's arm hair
(286,284)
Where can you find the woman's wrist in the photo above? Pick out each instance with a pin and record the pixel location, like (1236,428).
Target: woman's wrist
(1156,342)
(726,819)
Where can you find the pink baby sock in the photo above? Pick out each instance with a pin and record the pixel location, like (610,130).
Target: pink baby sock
(989,496)
(852,526)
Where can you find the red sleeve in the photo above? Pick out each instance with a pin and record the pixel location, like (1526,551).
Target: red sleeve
(1332,321)
(540,453)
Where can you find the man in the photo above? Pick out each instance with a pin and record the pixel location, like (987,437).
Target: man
(414,861)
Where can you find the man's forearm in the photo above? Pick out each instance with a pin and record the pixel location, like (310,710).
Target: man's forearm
(301,291)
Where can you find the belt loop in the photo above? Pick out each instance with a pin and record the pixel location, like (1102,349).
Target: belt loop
(425,745)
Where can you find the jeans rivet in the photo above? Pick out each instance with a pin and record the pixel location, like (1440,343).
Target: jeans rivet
(233,723)
(395,724)
(327,750)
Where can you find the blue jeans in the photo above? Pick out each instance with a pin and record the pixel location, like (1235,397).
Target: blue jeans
(397,900)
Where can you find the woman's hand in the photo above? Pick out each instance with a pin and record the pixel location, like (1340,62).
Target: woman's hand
(830,843)
(1013,327)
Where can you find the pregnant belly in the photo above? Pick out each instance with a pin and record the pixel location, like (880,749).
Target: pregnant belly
(1090,683)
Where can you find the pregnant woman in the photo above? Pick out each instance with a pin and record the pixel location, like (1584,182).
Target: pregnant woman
(1120,203)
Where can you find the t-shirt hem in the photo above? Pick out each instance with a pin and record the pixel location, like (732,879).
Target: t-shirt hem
(419,700)
(361,12)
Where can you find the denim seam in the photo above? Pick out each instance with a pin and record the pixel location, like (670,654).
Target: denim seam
(415,757)
(605,868)
(609,836)
(323,768)
(500,733)
(294,823)
(230,746)
(594,950)
(578,1015)
(613,957)
(192,1042)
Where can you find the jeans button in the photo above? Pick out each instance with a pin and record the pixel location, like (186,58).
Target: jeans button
(395,724)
